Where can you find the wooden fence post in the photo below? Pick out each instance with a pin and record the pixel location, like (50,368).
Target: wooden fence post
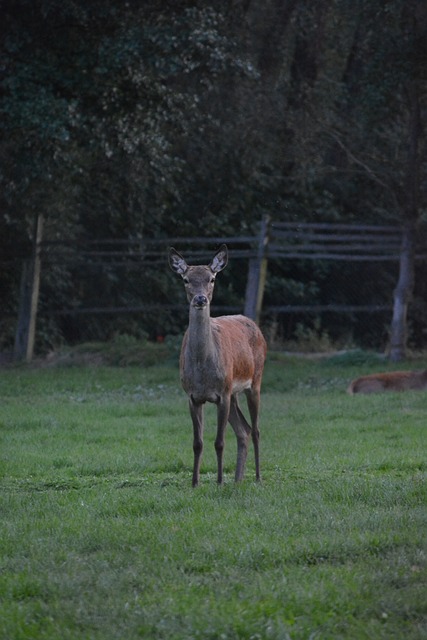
(257,275)
(29,296)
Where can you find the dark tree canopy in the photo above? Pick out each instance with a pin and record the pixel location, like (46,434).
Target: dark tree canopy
(127,120)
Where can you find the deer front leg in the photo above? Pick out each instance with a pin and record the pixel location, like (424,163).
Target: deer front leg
(242,430)
(196,411)
(223,411)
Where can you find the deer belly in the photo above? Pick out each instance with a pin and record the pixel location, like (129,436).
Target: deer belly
(241,385)
(200,392)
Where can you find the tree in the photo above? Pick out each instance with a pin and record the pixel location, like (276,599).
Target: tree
(130,120)
(393,157)
(358,73)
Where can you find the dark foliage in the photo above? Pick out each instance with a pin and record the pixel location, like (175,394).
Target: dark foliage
(156,119)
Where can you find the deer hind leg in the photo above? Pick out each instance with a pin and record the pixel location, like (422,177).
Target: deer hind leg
(196,411)
(223,417)
(253,399)
(242,430)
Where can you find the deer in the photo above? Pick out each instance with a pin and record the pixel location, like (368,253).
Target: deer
(390,381)
(220,358)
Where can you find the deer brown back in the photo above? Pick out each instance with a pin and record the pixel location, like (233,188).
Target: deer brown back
(389,381)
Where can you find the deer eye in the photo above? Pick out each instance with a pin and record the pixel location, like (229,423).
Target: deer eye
(186,280)
(212,280)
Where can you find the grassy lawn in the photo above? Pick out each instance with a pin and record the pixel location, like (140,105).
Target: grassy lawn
(102,536)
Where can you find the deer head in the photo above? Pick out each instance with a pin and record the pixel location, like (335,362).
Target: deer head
(199,280)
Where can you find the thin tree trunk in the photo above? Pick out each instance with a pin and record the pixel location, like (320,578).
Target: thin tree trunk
(402,296)
(29,296)
(410,207)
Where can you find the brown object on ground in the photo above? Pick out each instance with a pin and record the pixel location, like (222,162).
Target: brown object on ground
(391,381)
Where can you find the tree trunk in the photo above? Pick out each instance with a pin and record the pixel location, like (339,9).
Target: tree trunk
(410,207)
(29,296)
(402,296)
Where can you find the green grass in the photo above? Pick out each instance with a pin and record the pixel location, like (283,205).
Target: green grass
(102,536)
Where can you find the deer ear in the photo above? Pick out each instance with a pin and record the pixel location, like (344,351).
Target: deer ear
(177,262)
(220,259)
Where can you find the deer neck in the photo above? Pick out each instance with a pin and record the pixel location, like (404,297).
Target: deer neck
(200,337)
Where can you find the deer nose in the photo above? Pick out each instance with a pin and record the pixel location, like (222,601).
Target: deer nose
(200,301)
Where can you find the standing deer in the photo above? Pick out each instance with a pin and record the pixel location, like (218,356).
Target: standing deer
(220,357)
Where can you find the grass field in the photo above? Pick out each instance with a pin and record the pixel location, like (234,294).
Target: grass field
(102,536)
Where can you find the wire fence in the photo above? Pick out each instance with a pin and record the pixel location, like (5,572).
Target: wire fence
(286,275)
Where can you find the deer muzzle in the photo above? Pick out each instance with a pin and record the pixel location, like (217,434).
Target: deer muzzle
(200,301)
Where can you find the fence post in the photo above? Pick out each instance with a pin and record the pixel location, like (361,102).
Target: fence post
(257,275)
(29,296)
